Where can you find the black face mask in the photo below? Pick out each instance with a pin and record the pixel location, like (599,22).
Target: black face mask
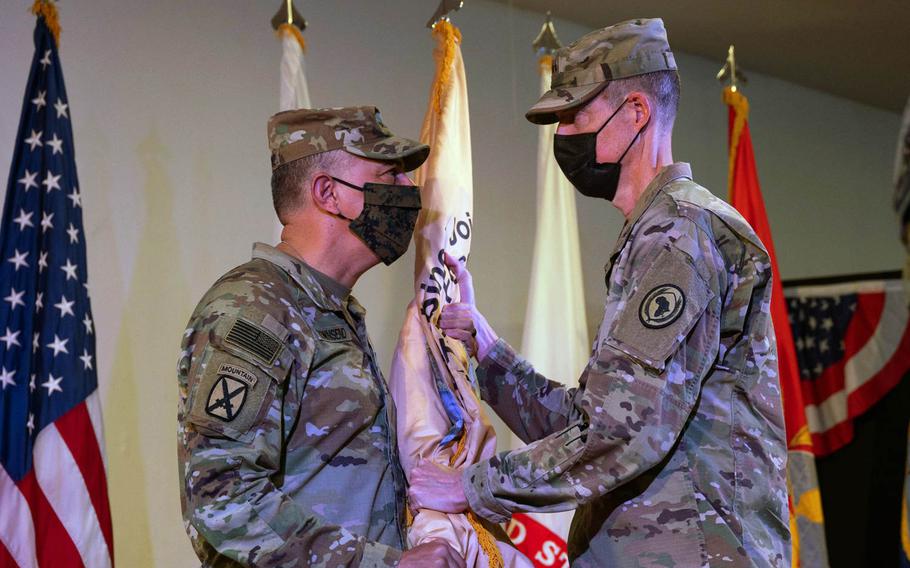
(387,221)
(576,155)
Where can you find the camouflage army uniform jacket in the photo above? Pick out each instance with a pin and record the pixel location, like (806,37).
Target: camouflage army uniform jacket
(286,440)
(672,448)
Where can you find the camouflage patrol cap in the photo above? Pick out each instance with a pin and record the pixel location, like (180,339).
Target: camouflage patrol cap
(584,68)
(295,134)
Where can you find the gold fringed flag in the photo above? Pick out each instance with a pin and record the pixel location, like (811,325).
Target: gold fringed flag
(439,415)
(556,332)
(806,521)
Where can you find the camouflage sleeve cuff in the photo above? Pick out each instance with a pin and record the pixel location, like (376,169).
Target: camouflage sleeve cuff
(376,555)
(500,359)
(479,494)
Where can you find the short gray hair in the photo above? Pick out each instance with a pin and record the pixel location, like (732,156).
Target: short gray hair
(291,181)
(661,86)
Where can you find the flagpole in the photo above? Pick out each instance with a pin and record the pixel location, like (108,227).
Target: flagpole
(442,12)
(287,20)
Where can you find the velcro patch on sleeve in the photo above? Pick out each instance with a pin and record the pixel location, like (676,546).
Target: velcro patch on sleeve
(254,340)
(663,308)
(229,396)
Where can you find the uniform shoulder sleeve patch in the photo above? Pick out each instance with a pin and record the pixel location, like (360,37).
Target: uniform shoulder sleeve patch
(255,340)
(664,306)
(229,396)
(661,306)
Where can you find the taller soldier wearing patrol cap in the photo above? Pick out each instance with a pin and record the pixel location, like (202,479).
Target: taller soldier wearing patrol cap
(286,440)
(672,448)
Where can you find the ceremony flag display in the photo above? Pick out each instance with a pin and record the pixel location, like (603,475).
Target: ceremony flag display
(555,333)
(54,507)
(806,520)
(853,347)
(439,414)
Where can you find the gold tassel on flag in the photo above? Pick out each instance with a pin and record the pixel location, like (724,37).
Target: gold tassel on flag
(426,364)
(48,10)
(293,31)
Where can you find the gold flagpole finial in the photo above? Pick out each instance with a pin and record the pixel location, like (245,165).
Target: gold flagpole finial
(288,15)
(546,42)
(729,72)
(445,8)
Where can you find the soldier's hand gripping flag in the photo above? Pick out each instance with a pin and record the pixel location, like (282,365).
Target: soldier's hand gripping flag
(439,415)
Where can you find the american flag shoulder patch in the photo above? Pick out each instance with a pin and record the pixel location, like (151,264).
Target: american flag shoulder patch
(254,340)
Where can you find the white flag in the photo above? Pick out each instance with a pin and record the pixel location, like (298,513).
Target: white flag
(439,415)
(294,92)
(555,337)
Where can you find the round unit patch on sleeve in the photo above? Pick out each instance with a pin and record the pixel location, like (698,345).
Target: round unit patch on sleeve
(661,306)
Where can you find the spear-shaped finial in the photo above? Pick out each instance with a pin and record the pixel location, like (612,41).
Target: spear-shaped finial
(442,12)
(288,14)
(546,42)
(730,73)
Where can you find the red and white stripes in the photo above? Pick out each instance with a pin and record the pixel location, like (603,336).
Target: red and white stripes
(59,514)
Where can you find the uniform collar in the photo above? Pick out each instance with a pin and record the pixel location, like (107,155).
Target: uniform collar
(324,296)
(664,177)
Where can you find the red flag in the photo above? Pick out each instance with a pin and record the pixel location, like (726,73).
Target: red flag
(745,195)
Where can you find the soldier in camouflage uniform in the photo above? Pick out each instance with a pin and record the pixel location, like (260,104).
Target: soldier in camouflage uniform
(672,449)
(286,440)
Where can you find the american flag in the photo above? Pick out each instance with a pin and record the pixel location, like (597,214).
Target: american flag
(853,346)
(54,507)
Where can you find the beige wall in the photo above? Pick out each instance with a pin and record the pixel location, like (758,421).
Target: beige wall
(169,101)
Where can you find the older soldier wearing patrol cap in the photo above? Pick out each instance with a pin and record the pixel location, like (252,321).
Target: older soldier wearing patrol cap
(286,439)
(672,448)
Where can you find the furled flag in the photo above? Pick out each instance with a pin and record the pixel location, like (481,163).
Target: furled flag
(806,520)
(555,333)
(439,415)
(294,91)
(53,490)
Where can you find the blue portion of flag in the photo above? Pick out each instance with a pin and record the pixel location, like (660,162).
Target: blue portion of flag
(47,342)
(819,326)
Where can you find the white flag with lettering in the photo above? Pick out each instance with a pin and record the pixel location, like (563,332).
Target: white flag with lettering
(439,415)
